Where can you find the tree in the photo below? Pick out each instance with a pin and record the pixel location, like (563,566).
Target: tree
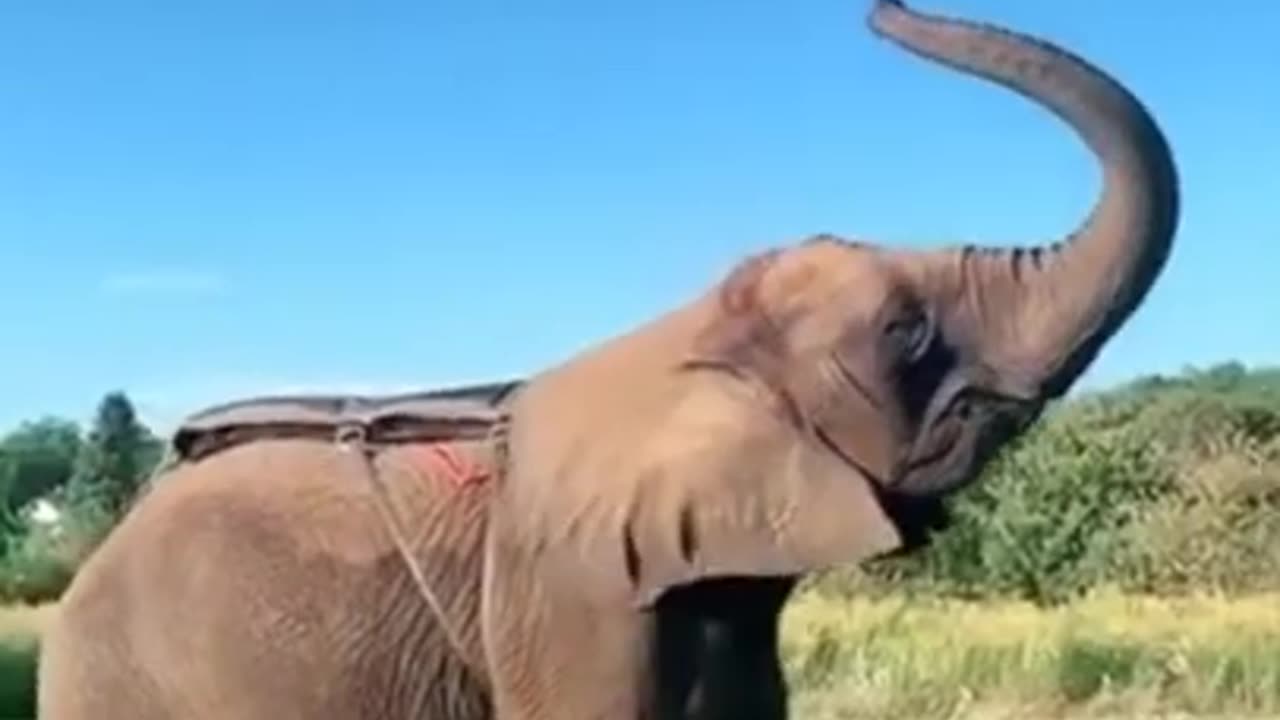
(35,460)
(118,454)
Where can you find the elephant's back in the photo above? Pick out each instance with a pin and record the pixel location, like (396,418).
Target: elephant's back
(277,567)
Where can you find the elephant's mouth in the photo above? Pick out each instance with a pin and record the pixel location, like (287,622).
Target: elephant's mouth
(933,468)
(933,453)
(915,517)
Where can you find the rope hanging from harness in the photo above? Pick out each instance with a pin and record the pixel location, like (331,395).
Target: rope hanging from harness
(353,439)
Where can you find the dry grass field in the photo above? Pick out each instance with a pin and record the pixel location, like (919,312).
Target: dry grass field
(1108,656)
(22,623)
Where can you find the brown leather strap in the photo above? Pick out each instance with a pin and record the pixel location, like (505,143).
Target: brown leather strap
(208,442)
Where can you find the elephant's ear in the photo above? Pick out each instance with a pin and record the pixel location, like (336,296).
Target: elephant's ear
(716,487)
(630,477)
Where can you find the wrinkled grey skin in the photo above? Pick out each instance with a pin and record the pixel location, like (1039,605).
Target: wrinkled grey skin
(665,488)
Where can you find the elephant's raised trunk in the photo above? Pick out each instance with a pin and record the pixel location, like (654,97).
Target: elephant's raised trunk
(1047,310)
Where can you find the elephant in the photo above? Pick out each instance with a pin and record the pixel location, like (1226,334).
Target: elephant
(654,498)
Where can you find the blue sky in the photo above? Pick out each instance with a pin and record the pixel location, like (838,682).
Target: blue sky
(205,200)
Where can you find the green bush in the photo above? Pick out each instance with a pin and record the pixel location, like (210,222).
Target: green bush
(1048,520)
(1162,486)
(39,560)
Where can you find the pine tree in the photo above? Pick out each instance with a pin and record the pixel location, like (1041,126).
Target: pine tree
(118,453)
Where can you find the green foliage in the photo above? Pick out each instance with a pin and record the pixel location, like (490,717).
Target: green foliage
(41,558)
(1048,520)
(18,679)
(1164,485)
(118,454)
(87,479)
(1086,666)
(36,459)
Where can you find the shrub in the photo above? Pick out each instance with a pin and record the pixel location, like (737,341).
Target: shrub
(39,560)
(1161,486)
(1049,518)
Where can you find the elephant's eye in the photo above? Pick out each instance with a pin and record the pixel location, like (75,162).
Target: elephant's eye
(908,335)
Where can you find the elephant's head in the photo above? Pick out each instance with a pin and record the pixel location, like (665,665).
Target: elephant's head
(768,426)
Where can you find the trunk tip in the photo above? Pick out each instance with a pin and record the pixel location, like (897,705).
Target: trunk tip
(880,10)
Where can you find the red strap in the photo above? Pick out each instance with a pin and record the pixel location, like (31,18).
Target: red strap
(461,472)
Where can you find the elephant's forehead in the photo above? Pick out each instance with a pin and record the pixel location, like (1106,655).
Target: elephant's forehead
(823,273)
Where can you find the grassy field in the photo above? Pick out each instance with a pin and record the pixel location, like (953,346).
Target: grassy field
(19,633)
(1107,657)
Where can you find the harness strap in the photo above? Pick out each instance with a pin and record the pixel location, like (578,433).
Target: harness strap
(352,438)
